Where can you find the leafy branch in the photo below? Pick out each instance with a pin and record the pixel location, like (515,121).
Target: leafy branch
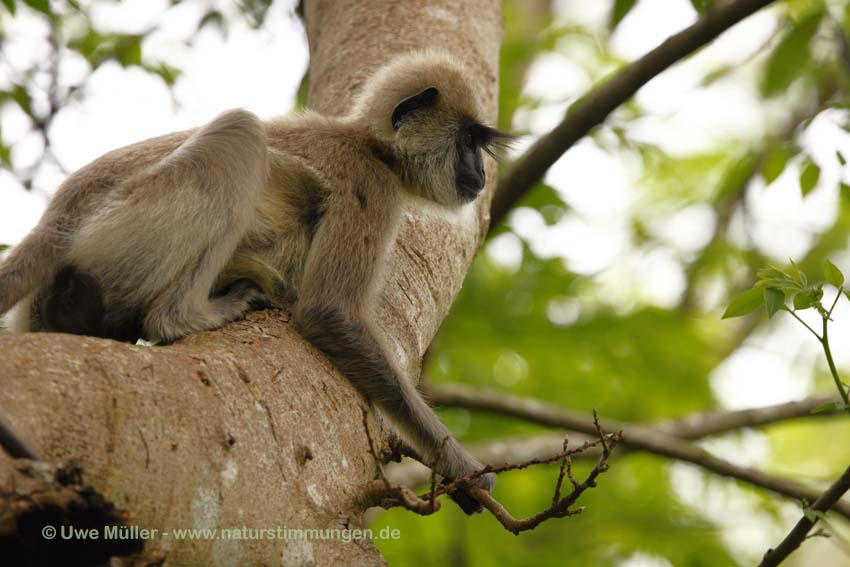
(775,287)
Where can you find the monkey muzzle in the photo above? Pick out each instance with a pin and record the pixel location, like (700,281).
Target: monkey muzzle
(469,185)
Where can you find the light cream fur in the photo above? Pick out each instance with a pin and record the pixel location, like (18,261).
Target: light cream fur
(305,207)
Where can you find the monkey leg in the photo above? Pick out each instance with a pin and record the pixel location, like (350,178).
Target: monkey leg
(167,232)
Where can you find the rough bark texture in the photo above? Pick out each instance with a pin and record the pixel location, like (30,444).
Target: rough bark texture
(246,426)
(249,425)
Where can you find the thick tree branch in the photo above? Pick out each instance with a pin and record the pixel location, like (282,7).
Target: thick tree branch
(594,108)
(798,534)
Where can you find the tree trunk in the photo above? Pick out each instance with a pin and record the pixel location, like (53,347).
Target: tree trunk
(249,426)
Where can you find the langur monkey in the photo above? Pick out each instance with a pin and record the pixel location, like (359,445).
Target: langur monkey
(185,232)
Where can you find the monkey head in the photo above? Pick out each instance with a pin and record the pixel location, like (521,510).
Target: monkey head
(423,107)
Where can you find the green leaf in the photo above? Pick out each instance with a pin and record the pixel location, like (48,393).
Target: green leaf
(42,6)
(841,159)
(212,18)
(809,177)
(20,95)
(10,5)
(774,300)
(774,164)
(701,5)
(737,174)
(620,11)
(745,303)
(832,274)
(166,72)
(130,52)
(807,299)
(772,276)
(5,153)
(790,57)
(255,10)
(844,193)
(798,274)
(4,247)
(87,44)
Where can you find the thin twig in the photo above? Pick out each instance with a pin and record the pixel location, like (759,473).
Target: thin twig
(397,495)
(562,472)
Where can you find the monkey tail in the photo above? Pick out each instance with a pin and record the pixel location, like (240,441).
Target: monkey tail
(30,265)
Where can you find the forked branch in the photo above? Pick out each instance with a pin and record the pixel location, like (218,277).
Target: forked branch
(389,495)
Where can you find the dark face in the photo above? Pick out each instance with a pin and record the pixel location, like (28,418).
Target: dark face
(471,139)
(469,167)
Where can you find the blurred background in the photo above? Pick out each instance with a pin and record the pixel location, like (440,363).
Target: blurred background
(604,289)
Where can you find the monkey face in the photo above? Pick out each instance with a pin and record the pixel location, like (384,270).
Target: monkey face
(441,147)
(469,164)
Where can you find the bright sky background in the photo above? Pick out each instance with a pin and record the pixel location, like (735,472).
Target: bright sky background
(260,71)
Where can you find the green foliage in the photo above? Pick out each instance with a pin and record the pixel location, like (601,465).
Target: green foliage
(702,5)
(737,174)
(5,152)
(256,10)
(628,359)
(776,283)
(97,48)
(42,6)
(72,28)
(745,303)
(807,298)
(774,163)
(789,59)
(620,11)
(809,176)
(832,274)
(774,300)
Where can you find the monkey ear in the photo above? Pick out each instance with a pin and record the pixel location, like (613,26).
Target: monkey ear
(422,100)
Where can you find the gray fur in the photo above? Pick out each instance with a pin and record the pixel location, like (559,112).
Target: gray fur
(304,208)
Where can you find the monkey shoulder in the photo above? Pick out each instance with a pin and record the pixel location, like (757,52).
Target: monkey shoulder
(335,156)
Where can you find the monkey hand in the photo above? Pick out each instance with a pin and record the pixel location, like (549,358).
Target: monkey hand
(463,497)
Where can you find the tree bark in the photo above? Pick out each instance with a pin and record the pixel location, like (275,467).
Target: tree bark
(249,426)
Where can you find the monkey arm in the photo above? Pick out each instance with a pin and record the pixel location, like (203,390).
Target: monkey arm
(334,313)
